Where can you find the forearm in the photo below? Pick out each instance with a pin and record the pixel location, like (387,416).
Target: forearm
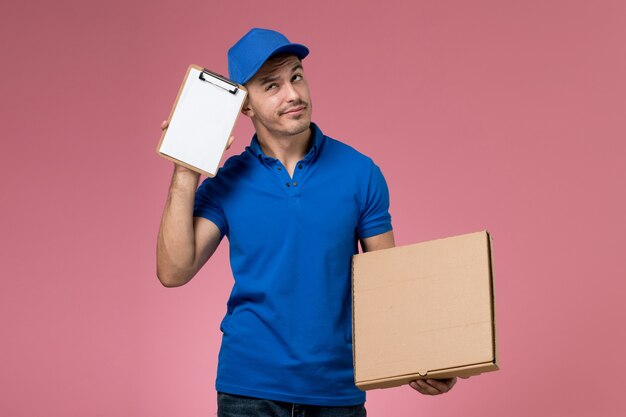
(176,240)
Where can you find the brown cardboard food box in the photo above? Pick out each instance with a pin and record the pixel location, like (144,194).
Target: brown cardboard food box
(423,311)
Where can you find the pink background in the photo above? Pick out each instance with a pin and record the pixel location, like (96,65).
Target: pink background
(501,115)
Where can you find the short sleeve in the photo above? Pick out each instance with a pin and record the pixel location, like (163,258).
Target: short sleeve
(207,205)
(375,218)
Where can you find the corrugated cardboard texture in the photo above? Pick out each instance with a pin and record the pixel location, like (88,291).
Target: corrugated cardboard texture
(423,310)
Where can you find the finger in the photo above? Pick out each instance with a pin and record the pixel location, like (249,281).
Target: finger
(165,124)
(230,141)
(424,388)
(451,383)
(418,387)
(442,385)
(439,385)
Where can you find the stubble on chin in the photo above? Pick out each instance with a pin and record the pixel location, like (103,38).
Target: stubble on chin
(303,123)
(301,127)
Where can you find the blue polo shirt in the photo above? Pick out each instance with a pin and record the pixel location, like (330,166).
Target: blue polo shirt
(287,332)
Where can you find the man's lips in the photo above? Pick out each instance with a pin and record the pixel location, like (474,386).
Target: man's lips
(295,110)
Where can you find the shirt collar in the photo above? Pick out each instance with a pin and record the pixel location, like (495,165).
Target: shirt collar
(317,140)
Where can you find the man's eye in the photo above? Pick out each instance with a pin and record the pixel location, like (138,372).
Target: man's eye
(297,77)
(270,86)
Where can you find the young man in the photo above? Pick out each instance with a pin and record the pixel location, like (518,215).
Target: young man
(294,206)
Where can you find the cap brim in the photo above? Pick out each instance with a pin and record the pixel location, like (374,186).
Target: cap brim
(297,49)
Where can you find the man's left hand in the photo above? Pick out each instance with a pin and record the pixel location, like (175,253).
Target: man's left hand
(433,386)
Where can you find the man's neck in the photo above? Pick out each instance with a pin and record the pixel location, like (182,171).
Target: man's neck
(287,149)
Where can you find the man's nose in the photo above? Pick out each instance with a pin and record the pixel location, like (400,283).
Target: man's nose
(291,93)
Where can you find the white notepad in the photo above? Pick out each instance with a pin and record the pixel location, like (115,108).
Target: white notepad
(202,120)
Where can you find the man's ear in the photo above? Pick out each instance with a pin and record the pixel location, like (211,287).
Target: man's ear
(245,109)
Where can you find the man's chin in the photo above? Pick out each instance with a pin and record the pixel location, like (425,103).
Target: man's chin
(300,127)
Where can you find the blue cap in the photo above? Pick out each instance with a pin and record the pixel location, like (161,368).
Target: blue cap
(249,54)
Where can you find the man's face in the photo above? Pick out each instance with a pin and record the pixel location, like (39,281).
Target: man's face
(278,98)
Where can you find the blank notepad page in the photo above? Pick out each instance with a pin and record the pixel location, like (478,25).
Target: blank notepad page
(202,121)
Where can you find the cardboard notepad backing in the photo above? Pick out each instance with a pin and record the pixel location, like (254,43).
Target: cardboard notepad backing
(202,120)
(424,311)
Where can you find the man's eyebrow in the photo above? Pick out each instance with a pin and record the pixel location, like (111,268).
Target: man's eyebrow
(268,78)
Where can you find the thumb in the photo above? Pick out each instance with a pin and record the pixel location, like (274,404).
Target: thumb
(230,141)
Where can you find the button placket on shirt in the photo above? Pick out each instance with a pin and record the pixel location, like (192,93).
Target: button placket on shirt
(292,185)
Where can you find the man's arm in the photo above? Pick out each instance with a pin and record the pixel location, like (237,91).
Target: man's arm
(382,241)
(185,243)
